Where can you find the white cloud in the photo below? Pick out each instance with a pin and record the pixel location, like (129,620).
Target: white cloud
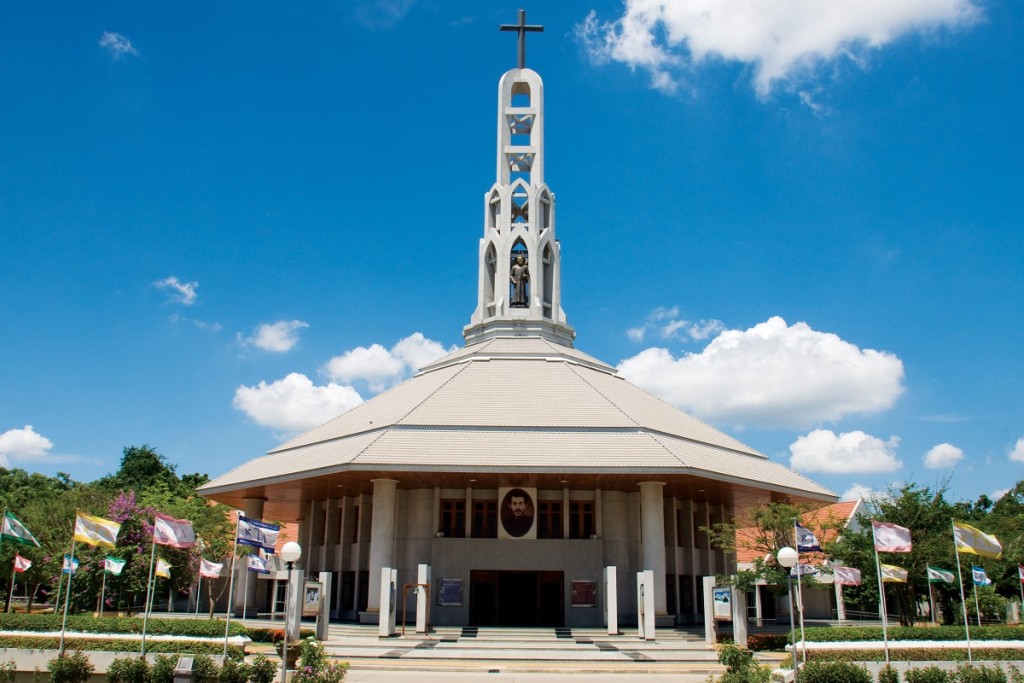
(1017,452)
(178,291)
(996,495)
(666,324)
(382,14)
(117,45)
(23,444)
(778,41)
(381,368)
(771,375)
(850,452)
(858,491)
(276,337)
(295,404)
(942,456)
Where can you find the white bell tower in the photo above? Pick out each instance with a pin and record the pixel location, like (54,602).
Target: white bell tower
(520,288)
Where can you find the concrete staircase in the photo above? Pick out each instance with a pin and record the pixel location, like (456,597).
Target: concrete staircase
(524,650)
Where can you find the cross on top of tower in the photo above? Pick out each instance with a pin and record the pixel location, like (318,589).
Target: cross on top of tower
(521,28)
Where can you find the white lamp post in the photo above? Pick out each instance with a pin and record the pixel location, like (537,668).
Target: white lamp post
(290,554)
(787,557)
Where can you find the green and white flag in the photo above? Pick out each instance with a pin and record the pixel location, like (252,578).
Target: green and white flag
(935,574)
(113,565)
(16,531)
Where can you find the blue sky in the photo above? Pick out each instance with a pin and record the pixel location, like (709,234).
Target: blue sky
(221,223)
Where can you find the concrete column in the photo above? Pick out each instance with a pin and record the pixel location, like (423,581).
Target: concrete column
(598,514)
(468,531)
(565,514)
(382,537)
(652,524)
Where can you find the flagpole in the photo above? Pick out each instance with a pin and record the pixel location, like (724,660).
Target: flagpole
(149,594)
(231,584)
(1020,583)
(245,593)
(67,596)
(977,609)
(881,595)
(963,600)
(931,599)
(103,589)
(799,594)
(199,590)
(10,593)
(60,581)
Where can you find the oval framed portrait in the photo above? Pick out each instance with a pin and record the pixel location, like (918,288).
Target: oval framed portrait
(517,513)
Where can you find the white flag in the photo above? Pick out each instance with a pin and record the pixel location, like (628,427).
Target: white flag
(890,538)
(163,569)
(177,533)
(113,565)
(209,570)
(847,576)
(979,576)
(935,575)
(257,534)
(257,564)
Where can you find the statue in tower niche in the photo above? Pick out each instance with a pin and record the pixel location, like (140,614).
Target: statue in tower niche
(519,276)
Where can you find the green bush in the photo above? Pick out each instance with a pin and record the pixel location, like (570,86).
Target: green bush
(7,671)
(855,633)
(946,654)
(108,645)
(128,670)
(206,669)
(1015,675)
(234,671)
(70,668)
(314,667)
(163,669)
(928,674)
(759,642)
(262,669)
(86,623)
(834,672)
(740,666)
(979,673)
(887,674)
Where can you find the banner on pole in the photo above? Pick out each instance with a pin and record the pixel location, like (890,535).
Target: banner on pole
(17,532)
(177,533)
(163,569)
(971,540)
(209,570)
(70,565)
(890,538)
(1020,572)
(893,574)
(113,565)
(846,576)
(806,541)
(21,564)
(803,570)
(257,534)
(936,574)
(979,576)
(96,530)
(257,564)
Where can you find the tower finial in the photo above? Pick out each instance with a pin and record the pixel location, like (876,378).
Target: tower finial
(521,28)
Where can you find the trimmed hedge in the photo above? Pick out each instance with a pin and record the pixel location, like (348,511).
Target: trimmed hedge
(952,654)
(266,635)
(759,642)
(85,623)
(107,645)
(837,634)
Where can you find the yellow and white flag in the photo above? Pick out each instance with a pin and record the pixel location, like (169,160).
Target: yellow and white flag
(96,530)
(893,574)
(971,540)
(163,569)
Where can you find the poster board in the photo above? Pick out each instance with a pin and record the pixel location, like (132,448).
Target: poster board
(449,592)
(312,596)
(722,599)
(517,512)
(584,593)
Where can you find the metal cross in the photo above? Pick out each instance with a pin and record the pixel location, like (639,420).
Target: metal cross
(521,28)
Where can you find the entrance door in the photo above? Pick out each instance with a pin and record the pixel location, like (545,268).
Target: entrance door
(510,598)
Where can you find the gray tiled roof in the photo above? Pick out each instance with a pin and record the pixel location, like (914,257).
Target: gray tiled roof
(523,405)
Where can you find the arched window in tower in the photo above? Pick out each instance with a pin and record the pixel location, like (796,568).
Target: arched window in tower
(545,211)
(548,280)
(520,94)
(490,272)
(520,202)
(494,211)
(519,276)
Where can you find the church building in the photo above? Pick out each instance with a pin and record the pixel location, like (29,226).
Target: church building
(517,467)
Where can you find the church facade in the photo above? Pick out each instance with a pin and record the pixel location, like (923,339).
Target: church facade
(518,467)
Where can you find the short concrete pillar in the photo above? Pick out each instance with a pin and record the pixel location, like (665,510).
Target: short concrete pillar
(710,634)
(422,599)
(645,605)
(388,598)
(739,617)
(323,619)
(293,607)
(611,600)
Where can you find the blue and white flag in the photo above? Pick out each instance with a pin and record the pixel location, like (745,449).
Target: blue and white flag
(258,564)
(803,570)
(257,534)
(980,577)
(806,541)
(70,565)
